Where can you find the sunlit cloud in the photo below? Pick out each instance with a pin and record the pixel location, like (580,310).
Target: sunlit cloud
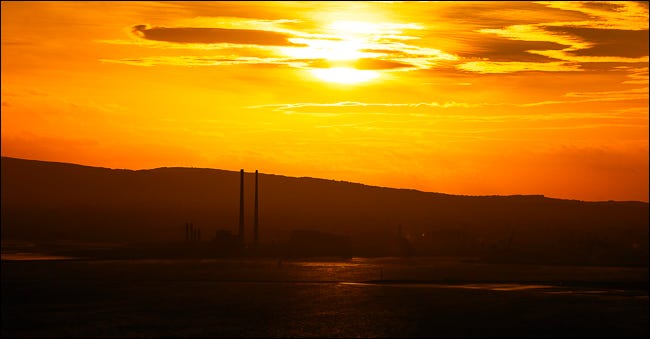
(513,66)
(617,32)
(629,15)
(340,44)
(536,32)
(352,41)
(371,28)
(361,64)
(328,49)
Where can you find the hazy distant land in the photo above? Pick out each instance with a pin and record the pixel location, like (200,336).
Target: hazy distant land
(59,203)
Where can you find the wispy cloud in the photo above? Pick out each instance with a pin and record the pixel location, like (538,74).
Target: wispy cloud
(514,66)
(474,111)
(626,15)
(383,46)
(549,46)
(639,76)
(292,107)
(615,33)
(622,95)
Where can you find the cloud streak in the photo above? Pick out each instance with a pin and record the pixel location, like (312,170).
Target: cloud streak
(204,61)
(204,35)
(345,104)
(514,66)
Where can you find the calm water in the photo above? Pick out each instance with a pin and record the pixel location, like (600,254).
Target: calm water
(422,297)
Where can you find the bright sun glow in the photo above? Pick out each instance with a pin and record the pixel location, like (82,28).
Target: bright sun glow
(354,27)
(349,39)
(326,49)
(344,75)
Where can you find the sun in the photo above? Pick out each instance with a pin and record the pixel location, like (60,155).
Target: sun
(326,49)
(344,75)
(339,47)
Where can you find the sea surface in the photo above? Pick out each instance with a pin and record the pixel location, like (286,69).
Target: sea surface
(322,297)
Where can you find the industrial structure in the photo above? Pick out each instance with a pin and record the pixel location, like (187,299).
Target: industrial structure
(241,207)
(256,220)
(241,211)
(191,233)
(224,240)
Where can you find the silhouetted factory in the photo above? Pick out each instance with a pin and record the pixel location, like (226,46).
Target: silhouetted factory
(301,242)
(224,240)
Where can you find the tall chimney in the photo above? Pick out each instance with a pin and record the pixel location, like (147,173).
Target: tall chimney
(256,212)
(241,207)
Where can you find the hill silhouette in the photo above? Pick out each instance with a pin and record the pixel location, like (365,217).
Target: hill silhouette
(49,201)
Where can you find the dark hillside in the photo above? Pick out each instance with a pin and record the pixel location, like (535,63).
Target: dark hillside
(47,201)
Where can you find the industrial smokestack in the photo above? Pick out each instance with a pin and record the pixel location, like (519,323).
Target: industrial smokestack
(241,207)
(256,216)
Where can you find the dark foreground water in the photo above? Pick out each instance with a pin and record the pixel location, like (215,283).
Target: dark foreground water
(384,297)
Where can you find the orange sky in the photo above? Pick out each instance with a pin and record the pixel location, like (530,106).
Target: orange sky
(476,98)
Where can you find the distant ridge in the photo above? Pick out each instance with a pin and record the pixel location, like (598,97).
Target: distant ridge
(290,177)
(60,201)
